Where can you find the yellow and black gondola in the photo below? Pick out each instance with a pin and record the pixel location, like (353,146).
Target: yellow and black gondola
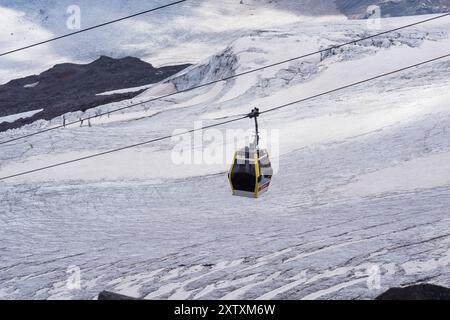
(251,171)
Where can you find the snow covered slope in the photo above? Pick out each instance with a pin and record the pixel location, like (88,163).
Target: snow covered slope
(362,185)
(181,34)
(359,9)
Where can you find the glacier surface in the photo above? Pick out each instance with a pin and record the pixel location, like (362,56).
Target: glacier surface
(359,202)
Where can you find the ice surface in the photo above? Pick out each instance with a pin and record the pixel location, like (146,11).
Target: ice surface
(363,181)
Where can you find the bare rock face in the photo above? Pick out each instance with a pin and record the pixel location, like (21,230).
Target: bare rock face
(106,295)
(416,292)
(72,87)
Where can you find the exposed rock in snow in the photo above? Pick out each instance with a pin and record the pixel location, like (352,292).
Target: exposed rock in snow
(105,295)
(417,292)
(71,87)
(14,117)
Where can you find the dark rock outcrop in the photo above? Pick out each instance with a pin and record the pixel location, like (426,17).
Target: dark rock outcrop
(416,292)
(72,87)
(106,295)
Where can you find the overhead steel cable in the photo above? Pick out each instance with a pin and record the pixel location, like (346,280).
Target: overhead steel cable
(223,79)
(91,28)
(224,122)
(120,149)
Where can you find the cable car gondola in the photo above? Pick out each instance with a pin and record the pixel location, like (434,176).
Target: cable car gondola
(251,171)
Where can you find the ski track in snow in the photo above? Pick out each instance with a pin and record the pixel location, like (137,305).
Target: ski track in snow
(358,185)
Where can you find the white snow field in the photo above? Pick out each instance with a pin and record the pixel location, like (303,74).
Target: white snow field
(359,202)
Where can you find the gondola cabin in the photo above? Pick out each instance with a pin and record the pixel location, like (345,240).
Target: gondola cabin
(250,172)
